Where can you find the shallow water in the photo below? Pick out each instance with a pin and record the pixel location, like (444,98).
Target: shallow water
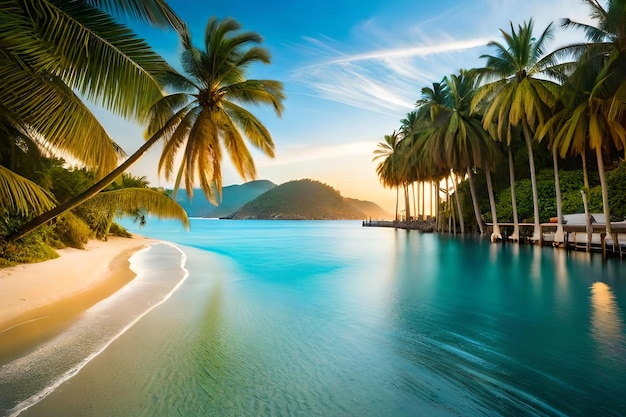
(331,319)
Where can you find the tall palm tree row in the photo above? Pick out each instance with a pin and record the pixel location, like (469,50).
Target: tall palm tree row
(206,114)
(574,96)
(518,101)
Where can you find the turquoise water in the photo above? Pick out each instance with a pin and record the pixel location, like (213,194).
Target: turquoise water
(331,319)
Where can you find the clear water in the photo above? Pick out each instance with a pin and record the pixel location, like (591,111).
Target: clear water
(331,319)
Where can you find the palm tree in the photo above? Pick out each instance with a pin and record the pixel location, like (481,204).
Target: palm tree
(388,169)
(595,108)
(408,129)
(51,49)
(458,140)
(607,38)
(585,122)
(205,116)
(518,100)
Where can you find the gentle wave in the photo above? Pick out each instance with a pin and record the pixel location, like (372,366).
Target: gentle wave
(39,396)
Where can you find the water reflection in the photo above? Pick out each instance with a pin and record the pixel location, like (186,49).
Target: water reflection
(606,325)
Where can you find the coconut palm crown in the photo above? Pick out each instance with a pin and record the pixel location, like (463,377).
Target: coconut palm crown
(521,98)
(208,114)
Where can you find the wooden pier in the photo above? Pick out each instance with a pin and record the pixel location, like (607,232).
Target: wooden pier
(576,236)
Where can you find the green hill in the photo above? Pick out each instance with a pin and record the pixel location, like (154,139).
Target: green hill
(233,197)
(302,200)
(371,210)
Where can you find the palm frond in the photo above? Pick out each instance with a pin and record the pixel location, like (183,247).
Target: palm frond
(154,12)
(237,149)
(254,130)
(53,111)
(22,195)
(258,92)
(128,200)
(101,59)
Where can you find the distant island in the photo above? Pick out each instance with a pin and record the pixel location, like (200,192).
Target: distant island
(304,199)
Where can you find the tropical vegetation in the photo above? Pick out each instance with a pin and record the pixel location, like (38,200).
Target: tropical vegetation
(532,117)
(56,56)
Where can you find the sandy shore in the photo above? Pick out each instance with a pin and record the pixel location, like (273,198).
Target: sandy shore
(36,300)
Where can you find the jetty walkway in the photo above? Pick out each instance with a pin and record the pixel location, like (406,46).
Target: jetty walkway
(577,236)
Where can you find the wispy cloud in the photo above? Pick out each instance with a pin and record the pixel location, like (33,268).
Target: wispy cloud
(386,80)
(419,51)
(398,56)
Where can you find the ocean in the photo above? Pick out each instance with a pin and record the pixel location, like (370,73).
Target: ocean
(328,318)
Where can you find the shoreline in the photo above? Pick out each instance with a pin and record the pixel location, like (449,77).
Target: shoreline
(40,300)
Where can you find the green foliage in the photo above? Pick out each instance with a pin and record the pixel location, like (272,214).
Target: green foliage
(616,181)
(34,247)
(117,230)
(72,230)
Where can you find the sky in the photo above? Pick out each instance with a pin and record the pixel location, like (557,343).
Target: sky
(351,71)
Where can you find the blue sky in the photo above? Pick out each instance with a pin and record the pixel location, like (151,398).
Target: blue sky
(351,70)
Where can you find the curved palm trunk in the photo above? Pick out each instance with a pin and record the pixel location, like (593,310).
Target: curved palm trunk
(605,192)
(559,236)
(470,178)
(515,235)
(495,234)
(533,181)
(87,194)
(458,206)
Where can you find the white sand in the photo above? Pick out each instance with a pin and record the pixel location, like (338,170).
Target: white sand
(85,276)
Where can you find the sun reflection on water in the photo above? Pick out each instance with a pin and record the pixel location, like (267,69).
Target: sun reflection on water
(606,325)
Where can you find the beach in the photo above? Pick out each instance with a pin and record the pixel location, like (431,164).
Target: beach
(38,300)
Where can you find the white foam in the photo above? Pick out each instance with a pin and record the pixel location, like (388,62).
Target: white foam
(39,396)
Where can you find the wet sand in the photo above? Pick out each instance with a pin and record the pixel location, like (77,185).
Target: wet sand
(39,300)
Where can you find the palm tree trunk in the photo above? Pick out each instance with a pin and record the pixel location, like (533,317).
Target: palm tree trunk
(397,198)
(413,199)
(559,236)
(448,205)
(515,235)
(88,193)
(585,172)
(470,178)
(407,203)
(533,181)
(432,198)
(605,192)
(423,200)
(458,206)
(495,233)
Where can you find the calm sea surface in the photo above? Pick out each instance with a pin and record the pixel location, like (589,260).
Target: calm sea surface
(281,318)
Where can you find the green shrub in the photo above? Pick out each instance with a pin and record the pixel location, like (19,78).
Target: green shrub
(117,230)
(72,231)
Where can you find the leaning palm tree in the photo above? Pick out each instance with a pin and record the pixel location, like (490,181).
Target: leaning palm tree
(54,54)
(518,101)
(207,115)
